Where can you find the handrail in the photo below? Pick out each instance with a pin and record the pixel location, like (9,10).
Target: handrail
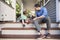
(46,2)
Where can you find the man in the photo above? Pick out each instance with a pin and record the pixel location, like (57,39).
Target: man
(41,16)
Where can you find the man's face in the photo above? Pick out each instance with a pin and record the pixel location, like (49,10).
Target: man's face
(37,8)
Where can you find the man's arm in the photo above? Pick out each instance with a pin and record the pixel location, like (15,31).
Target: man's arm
(38,17)
(44,14)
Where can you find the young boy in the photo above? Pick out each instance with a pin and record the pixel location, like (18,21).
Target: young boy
(24,18)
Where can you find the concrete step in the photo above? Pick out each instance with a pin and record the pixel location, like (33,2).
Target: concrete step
(28,36)
(15,39)
(28,39)
(19,32)
(28,28)
(19,25)
(24,31)
(16,30)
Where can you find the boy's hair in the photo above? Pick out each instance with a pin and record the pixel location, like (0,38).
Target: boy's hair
(37,5)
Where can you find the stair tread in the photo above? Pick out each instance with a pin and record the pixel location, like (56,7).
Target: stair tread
(27,28)
(29,36)
(25,39)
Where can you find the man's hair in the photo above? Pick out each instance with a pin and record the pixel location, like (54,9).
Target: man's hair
(37,5)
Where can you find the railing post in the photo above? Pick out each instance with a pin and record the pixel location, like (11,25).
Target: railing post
(14,6)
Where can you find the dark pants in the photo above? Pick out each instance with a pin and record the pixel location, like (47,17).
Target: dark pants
(46,20)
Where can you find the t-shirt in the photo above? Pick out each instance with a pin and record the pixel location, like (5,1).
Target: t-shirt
(42,12)
(24,17)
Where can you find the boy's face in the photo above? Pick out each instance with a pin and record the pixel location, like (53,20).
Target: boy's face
(37,8)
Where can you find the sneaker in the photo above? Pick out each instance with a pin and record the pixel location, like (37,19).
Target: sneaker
(37,30)
(23,25)
(46,36)
(43,36)
(39,33)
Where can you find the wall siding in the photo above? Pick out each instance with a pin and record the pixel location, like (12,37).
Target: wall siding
(7,12)
(51,7)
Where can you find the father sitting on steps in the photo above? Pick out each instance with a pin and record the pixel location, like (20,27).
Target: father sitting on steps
(41,16)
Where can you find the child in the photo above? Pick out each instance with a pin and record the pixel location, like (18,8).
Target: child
(24,18)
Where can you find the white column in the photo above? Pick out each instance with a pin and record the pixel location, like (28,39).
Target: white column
(57,11)
(14,6)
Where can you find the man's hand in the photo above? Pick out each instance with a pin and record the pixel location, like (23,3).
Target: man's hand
(38,17)
(35,18)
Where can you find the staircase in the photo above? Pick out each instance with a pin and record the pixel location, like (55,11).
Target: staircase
(15,31)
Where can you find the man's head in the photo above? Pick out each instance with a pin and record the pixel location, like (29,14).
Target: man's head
(37,6)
